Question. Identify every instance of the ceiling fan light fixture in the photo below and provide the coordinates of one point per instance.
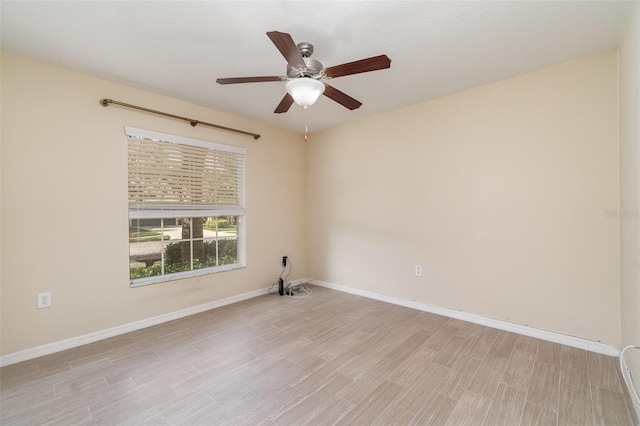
(305, 91)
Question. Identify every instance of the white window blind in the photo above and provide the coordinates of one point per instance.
(174, 176)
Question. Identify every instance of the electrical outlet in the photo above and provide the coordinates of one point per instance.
(44, 300)
(418, 271)
(284, 261)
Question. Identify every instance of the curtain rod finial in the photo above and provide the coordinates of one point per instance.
(105, 102)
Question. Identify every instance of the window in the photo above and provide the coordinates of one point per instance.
(186, 207)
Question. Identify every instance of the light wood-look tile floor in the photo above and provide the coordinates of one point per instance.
(330, 358)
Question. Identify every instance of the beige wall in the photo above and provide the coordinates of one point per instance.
(498, 192)
(64, 205)
(630, 188)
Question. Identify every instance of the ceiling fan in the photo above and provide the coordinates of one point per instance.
(304, 74)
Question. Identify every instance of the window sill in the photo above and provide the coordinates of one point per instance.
(140, 282)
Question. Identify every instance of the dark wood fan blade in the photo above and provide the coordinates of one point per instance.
(236, 80)
(363, 65)
(341, 97)
(284, 104)
(288, 48)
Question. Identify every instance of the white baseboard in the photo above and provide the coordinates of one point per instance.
(50, 348)
(552, 336)
(628, 380)
(477, 319)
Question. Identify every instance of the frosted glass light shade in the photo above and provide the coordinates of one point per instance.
(305, 91)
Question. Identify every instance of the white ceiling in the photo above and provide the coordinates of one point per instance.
(179, 48)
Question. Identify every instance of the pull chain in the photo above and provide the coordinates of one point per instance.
(306, 126)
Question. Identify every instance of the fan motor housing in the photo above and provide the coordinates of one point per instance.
(314, 69)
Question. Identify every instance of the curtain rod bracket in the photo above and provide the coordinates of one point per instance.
(193, 122)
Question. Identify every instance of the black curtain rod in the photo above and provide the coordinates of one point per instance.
(193, 122)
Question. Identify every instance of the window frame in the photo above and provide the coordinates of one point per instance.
(191, 211)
